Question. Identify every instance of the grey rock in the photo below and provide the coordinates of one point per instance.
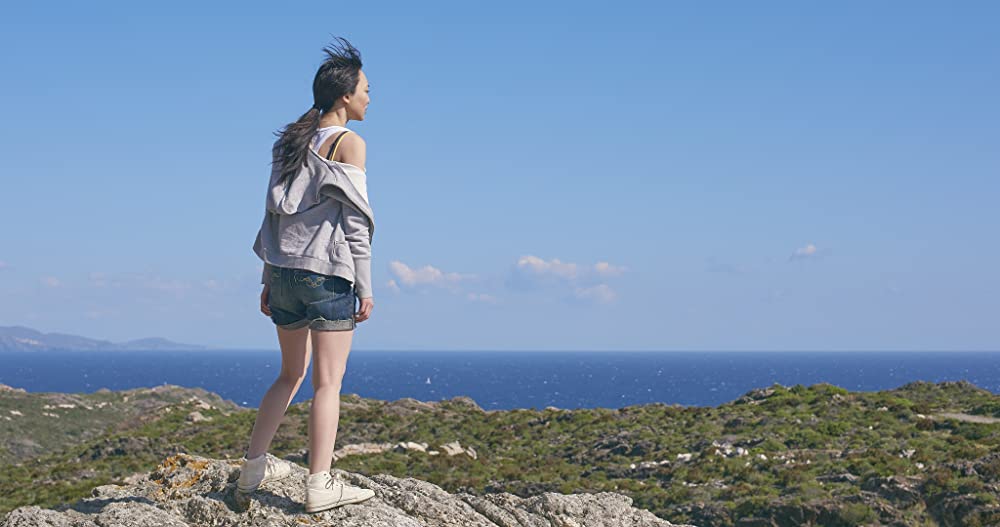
(192, 490)
(900, 490)
(843, 476)
(197, 417)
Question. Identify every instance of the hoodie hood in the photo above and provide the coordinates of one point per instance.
(318, 179)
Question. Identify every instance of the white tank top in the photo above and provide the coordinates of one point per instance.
(358, 177)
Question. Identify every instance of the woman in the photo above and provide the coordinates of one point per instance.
(316, 245)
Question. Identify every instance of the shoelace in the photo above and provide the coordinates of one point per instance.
(268, 466)
(331, 482)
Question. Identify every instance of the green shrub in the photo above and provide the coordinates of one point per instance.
(857, 514)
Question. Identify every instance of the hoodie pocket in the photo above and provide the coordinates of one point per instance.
(341, 252)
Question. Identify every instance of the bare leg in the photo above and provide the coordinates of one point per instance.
(294, 364)
(330, 362)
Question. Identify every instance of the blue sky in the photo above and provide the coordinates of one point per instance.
(548, 176)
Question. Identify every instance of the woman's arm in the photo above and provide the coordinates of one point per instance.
(265, 277)
(356, 231)
(352, 150)
(356, 228)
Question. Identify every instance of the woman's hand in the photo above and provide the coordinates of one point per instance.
(263, 300)
(365, 310)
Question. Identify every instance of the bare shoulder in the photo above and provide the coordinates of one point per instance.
(352, 150)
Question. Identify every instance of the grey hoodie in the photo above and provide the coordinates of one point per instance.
(317, 220)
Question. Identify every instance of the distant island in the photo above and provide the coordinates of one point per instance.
(21, 338)
(920, 454)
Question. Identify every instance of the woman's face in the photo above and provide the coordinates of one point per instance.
(358, 103)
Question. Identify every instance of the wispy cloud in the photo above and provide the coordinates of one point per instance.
(809, 251)
(581, 282)
(600, 293)
(530, 273)
(145, 281)
(50, 281)
(606, 269)
(426, 276)
(481, 297)
(553, 267)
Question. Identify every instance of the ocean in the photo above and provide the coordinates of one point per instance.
(504, 379)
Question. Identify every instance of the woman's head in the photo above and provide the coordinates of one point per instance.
(356, 104)
(338, 87)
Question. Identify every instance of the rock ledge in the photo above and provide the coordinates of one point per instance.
(192, 490)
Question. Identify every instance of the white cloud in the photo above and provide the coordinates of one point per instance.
(426, 275)
(605, 268)
(600, 292)
(50, 281)
(146, 281)
(482, 297)
(808, 251)
(552, 267)
(582, 282)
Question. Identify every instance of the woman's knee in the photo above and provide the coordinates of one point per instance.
(334, 378)
(292, 376)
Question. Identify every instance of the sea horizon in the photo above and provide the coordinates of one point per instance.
(507, 379)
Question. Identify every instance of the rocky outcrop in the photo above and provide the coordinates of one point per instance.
(187, 490)
(901, 491)
(452, 448)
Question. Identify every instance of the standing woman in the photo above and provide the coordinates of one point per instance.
(316, 245)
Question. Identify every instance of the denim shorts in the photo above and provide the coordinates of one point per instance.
(300, 298)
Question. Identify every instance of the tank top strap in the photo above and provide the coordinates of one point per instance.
(335, 144)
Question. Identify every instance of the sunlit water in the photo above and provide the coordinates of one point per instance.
(504, 380)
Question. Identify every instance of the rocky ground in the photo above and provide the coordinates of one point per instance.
(192, 490)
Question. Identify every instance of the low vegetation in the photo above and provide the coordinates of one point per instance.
(920, 454)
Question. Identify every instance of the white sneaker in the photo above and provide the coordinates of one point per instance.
(260, 470)
(324, 492)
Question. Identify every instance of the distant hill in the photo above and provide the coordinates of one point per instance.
(39, 423)
(21, 338)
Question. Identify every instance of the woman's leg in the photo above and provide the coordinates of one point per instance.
(330, 350)
(294, 364)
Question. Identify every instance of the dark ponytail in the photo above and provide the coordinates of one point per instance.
(336, 77)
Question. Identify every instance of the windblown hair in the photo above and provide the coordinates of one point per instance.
(336, 77)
